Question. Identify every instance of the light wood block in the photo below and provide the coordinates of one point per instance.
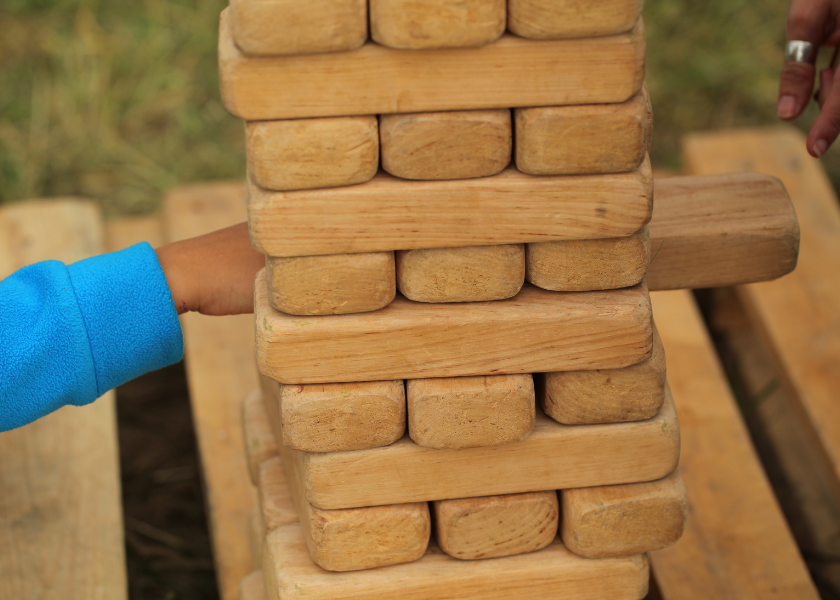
(256, 537)
(332, 284)
(469, 274)
(536, 331)
(267, 27)
(257, 434)
(252, 587)
(620, 520)
(446, 145)
(496, 526)
(340, 416)
(467, 412)
(302, 154)
(557, 19)
(584, 265)
(510, 72)
(387, 213)
(413, 25)
(276, 505)
(551, 572)
(633, 393)
(594, 138)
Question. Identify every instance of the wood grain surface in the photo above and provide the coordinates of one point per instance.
(256, 434)
(276, 504)
(557, 19)
(252, 586)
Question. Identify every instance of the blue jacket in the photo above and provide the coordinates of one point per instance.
(68, 334)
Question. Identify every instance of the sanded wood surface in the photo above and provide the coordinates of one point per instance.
(620, 520)
(267, 27)
(61, 529)
(510, 72)
(593, 138)
(256, 537)
(555, 19)
(252, 587)
(496, 526)
(468, 274)
(332, 284)
(446, 145)
(312, 153)
(276, 504)
(467, 412)
(256, 434)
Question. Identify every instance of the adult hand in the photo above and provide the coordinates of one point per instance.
(817, 22)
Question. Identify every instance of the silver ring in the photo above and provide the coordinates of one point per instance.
(801, 52)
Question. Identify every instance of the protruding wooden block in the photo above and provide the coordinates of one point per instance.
(467, 412)
(269, 27)
(633, 393)
(446, 145)
(594, 138)
(257, 434)
(621, 520)
(302, 154)
(470, 274)
(536, 331)
(558, 19)
(252, 587)
(496, 526)
(276, 507)
(331, 285)
(256, 537)
(340, 416)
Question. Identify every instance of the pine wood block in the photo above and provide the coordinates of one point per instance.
(252, 587)
(594, 138)
(633, 393)
(583, 265)
(303, 154)
(387, 213)
(276, 507)
(496, 526)
(469, 274)
(557, 19)
(446, 145)
(510, 72)
(256, 537)
(257, 434)
(268, 27)
(413, 25)
(536, 331)
(332, 284)
(467, 412)
(551, 572)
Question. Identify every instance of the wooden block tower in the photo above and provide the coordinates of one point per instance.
(464, 394)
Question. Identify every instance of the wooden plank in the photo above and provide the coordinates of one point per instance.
(468, 412)
(496, 526)
(533, 332)
(510, 72)
(331, 285)
(268, 27)
(446, 145)
(621, 520)
(61, 524)
(554, 19)
(252, 587)
(744, 550)
(303, 154)
(256, 434)
(387, 213)
(591, 138)
(468, 274)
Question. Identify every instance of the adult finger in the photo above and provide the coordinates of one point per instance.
(806, 22)
(827, 126)
(826, 81)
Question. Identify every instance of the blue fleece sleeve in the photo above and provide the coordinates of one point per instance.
(68, 334)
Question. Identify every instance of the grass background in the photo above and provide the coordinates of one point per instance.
(119, 101)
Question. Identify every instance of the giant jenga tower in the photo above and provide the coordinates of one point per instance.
(453, 326)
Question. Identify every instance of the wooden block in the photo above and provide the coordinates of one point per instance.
(553, 572)
(496, 526)
(331, 285)
(510, 72)
(257, 434)
(593, 138)
(302, 154)
(387, 213)
(446, 145)
(276, 505)
(584, 265)
(633, 393)
(557, 19)
(267, 27)
(252, 587)
(620, 520)
(256, 537)
(536, 331)
(469, 274)
(340, 416)
(467, 412)
(413, 25)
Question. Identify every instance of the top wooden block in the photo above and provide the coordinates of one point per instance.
(511, 72)
(560, 19)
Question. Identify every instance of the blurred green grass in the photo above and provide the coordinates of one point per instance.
(119, 101)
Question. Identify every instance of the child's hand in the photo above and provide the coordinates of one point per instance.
(213, 274)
